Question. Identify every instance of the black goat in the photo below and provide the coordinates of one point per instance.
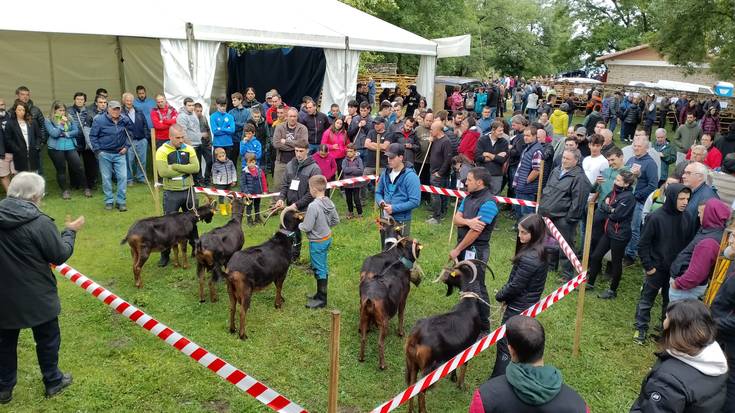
(255, 268)
(435, 340)
(165, 232)
(384, 287)
(215, 248)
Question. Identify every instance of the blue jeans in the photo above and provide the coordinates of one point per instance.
(694, 293)
(613, 123)
(522, 211)
(110, 162)
(318, 257)
(140, 147)
(631, 251)
(532, 115)
(492, 114)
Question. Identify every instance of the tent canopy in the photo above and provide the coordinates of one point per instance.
(328, 24)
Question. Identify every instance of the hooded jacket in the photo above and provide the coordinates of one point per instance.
(320, 216)
(177, 166)
(29, 241)
(300, 172)
(253, 182)
(683, 383)
(527, 389)
(468, 143)
(666, 233)
(330, 139)
(695, 263)
(403, 194)
(686, 135)
(618, 214)
(560, 121)
(565, 196)
(723, 312)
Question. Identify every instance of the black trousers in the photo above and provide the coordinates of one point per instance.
(439, 202)
(352, 196)
(502, 356)
(568, 230)
(48, 341)
(63, 160)
(204, 153)
(617, 250)
(482, 253)
(255, 205)
(651, 285)
(91, 168)
(730, 400)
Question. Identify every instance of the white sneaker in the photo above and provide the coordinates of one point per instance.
(432, 221)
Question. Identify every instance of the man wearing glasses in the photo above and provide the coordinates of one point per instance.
(695, 178)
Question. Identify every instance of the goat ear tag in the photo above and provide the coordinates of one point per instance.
(453, 273)
(421, 247)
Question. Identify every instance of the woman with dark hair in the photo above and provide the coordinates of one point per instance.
(62, 148)
(691, 370)
(614, 216)
(250, 100)
(335, 138)
(526, 280)
(385, 94)
(23, 138)
(80, 116)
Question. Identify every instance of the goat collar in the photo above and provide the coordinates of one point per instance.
(286, 232)
(406, 263)
(470, 294)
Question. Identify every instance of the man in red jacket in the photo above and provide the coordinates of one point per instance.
(528, 386)
(163, 117)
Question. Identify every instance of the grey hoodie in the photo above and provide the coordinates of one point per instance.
(190, 123)
(320, 216)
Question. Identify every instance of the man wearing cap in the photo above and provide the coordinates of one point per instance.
(376, 137)
(398, 192)
(110, 144)
(582, 143)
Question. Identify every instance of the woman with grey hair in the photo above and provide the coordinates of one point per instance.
(29, 241)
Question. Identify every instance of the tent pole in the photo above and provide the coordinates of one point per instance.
(120, 64)
(51, 67)
(190, 47)
(346, 69)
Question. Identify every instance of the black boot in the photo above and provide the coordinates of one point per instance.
(320, 301)
(316, 294)
(250, 221)
(164, 258)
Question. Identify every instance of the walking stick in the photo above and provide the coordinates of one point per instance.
(339, 175)
(451, 227)
(426, 155)
(540, 185)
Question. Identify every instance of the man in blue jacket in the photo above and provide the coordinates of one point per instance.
(140, 134)
(646, 171)
(398, 193)
(110, 144)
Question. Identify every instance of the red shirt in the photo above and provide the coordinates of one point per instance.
(162, 120)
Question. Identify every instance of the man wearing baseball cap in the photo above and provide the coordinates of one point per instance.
(398, 192)
(110, 144)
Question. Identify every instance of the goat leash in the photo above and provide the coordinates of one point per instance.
(470, 294)
(140, 164)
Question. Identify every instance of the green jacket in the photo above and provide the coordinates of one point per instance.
(177, 167)
(686, 136)
(605, 188)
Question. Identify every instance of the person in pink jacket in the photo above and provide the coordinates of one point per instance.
(326, 162)
(336, 140)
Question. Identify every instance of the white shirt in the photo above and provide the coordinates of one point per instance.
(24, 129)
(532, 102)
(593, 166)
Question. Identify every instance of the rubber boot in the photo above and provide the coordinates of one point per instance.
(223, 209)
(320, 301)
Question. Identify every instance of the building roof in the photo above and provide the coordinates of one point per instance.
(623, 52)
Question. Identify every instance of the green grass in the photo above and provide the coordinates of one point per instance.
(118, 366)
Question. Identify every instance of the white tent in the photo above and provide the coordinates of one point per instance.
(62, 49)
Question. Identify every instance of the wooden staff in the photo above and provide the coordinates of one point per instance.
(156, 195)
(720, 272)
(540, 185)
(426, 155)
(334, 363)
(585, 267)
(451, 226)
(336, 188)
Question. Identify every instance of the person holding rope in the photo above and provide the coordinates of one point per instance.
(140, 133)
(397, 193)
(177, 164)
(475, 220)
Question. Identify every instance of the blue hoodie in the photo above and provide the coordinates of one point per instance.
(223, 128)
(648, 178)
(251, 146)
(404, 195)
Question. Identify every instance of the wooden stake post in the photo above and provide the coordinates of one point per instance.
(334, 363)
(720, 269)
(156, 196)
(585, 267)
(540, 185)
(451, 227)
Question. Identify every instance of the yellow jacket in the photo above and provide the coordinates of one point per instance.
(560, 121)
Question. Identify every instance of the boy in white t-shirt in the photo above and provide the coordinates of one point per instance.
(594, 164)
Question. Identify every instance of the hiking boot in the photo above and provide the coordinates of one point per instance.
(628, 262)
(639, 337)
(66, 195)
(164, 259)
(257, 220)
(66, 380)
(122, 208)
(320, 299)
(359, 216)
(432, 221)
(349, 215)
(608, 295)
(250, 221)
(6, 396)
(108, 207)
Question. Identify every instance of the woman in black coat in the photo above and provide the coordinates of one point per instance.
(23, 138)
(526, 280)
(615, 217)
(690, 373)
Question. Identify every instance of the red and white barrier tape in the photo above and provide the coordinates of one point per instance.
(477, 348)
(225, 370)
(564, 245)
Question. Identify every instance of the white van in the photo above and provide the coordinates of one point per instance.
(684, 87)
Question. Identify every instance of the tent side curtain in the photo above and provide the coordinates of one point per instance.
(55, 66)
(178, 82)
(335, 90)
(455, 46)
(294, 72)
(425, 79)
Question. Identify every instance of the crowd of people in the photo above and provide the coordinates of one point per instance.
(652, 200)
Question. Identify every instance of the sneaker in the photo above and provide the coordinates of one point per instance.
(6, 396)
(349, 215)
(88, 193)
(108, 207)
(639, 337)
(432, 221)
(608, 295)
(66, 195)
(628, 262)
(66, 380)
(122, 208)
(359, 216)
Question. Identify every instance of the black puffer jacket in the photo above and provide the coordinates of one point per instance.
(300, 172)
(29, 241)
(525, 283)
(616, 217)
(674, 386)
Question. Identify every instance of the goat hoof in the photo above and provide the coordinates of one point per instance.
(399, 333)
(244, 337)
(186, 266)
(382, 367)
(233, 331)
(202, 301)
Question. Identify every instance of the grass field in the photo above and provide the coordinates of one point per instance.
(119, 367)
